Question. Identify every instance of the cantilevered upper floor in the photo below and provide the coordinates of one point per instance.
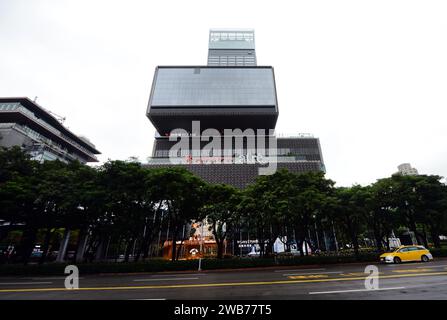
(25, 124)
(219, 97)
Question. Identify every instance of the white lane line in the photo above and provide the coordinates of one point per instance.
(165, 279)
(50, 278)
(438, 266)
(427, 285)
(179, 275)
(150, 299)
(357, 290)
(24, 283)
(300, 270)
(306, 274)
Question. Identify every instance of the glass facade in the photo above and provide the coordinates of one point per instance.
(9, 106)
(228, 39)
(214, 87)
(232, 48)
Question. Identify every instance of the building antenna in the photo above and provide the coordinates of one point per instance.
(58, 117)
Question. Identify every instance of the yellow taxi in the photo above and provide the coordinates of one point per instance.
(407, 253)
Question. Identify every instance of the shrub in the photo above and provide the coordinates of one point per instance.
(159, 265)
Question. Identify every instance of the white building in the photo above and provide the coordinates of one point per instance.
(406, 169)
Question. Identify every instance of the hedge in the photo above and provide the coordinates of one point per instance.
(159, 265)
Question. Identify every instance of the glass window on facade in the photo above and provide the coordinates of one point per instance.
(214, 87)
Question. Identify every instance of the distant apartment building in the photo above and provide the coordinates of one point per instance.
(406, 169)
(25, 124)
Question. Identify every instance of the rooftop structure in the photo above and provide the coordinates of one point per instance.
(25, 124)
(407, 170)
(231, 48)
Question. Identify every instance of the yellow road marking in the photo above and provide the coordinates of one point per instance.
(227, 284)
(311, 276)
(411, 270)
(355, 274)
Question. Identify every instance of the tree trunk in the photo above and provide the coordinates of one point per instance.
(299, 242)
(100, 248)
(355, 243)
(81, 244)
(63, 246)
(413, 228)
(261, 240)
(435, 237)
(27, 244)
(144, 248)
(220, 248)
(378, 239)
(46, 245)
(128, 250)
(174, 243)
(424, 237)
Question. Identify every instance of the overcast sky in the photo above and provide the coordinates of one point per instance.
(369, 78)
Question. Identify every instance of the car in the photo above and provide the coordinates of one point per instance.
(407, 253)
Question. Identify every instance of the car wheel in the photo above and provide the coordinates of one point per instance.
(397, 260)
(424, 258)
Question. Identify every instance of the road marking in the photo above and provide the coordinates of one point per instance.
(224, 284)
(178, 275)
(165, 279)
(300, 270)
(22, 283)
(411, 270)
(356, 290)
(355, 274)
(311, 276)
(49, 278)
(305, 274)
(438, 266)
(427, 285)
(150, 299)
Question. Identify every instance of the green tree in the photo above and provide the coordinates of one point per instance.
(351, 212)
(182, 194)
(309, 200)
(266, 205)
(220, 212)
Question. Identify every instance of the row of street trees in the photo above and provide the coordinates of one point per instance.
(122, 204)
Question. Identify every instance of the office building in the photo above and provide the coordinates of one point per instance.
(201, 105)
(25, 124)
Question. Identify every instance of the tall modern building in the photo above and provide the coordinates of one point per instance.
(406, 169)
(197, 106)
(25, 124)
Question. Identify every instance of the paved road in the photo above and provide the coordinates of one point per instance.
(404, 281)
